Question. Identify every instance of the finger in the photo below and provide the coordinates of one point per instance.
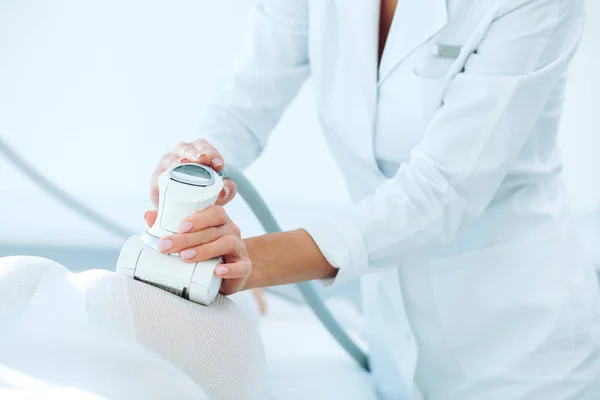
(228, 247)
(239, 269)
(210, 216)
(154, 194)
(189, 151)
(231, 286)
(228, 193)
(167, 161)
(150, 217)
(215, 159)
(260, 299)
(184, 241)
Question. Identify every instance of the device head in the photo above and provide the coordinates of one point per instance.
(196, 282)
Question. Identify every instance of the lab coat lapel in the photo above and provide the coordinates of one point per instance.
(414, 22)
(359, 23)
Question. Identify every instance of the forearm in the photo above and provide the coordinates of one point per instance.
(286, 257)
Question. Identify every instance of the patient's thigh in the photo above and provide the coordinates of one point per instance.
(217, 348)
(19, 279)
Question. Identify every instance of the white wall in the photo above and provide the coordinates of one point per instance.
(93, 92)
(580, 135)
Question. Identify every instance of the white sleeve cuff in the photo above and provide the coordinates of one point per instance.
(343, 246)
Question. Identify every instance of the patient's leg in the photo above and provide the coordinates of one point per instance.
(19, 278)
(217, 347)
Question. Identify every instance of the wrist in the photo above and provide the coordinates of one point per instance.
(284, 258)
(255, 280)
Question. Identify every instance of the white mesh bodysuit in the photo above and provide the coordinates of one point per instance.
(100, 334)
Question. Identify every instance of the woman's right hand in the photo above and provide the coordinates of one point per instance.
(201, 152)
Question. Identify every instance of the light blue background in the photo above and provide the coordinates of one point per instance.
(93, 92)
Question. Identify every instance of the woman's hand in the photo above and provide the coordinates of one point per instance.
(201, 152)
(208, 234)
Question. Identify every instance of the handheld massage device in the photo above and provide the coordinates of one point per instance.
(132, 264)
(183, 191)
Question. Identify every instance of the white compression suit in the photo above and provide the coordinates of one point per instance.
(99, 335)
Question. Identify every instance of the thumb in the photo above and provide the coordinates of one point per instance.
(150, 217)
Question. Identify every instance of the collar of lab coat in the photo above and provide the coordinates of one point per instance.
(415, 21)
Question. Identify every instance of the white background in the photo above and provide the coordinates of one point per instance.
(93, 92)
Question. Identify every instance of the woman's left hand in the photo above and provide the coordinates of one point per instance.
(208, 234)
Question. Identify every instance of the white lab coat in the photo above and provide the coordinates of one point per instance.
(449, 151)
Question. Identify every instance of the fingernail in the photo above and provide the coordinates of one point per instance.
(226, 189)
(185, 227)
(216, 162)
(187, 254)
(222, 270)
(164, 244)
(146, 214)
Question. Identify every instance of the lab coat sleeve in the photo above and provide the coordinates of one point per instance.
(488, 111)
(267, 75)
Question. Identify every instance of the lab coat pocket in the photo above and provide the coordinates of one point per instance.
(408, 102)
(446, 54)
(496, 304)
(430, 93)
